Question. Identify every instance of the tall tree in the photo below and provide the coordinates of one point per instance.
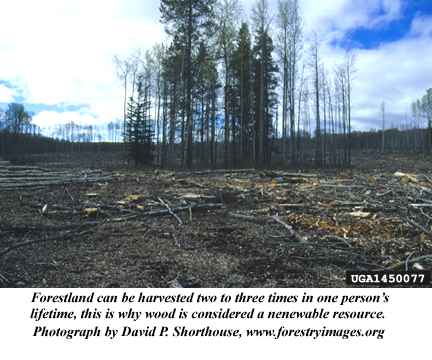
(427, 110)
(135, 68)
(174, 98)
(242, 69)
(349, 64)
(16, 119)
(203, 74)
(187, 19)
(315, 66)
(290, 29)
(344, 74)
(227, 15)
(283, 25)
(265, 83)
(159, 56)
(261, 19)
(296, 47)
(123, 69)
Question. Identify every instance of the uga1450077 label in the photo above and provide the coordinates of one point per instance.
(389, 278)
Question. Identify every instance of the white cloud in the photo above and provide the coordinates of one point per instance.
(339, 16)
(6, 94)
(49, 119)
(421, 26)
(398, 72)
(63, 53)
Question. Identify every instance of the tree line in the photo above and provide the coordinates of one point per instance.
(19, 135)
(221, 78)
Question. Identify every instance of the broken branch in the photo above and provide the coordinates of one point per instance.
(37, 241)
(290, 229)
(170, 211)
(399, 264)
(246, 218)
(180, 209)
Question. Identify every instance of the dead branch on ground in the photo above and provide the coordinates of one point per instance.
(60, 237)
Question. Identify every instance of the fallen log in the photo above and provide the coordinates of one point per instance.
(32, 177)
(32, 227)
(10, 186)
(38, 241)
(247, 218)
(199, 207)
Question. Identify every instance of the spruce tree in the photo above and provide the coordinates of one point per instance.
(139, 135)
(265, 83)
(242, 83)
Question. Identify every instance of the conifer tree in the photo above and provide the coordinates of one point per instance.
(186, 20)
(242, 76)
(265, 82)
(139, 135)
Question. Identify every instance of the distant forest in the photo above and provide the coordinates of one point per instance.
(225, 90)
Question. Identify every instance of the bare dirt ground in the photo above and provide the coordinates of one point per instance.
(240, 228)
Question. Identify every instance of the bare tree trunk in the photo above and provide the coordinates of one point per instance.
(315, 67)
(189, 139)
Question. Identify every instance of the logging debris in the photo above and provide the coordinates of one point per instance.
(238, 228)
(18, 177)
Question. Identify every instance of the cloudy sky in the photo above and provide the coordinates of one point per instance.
(56, 56)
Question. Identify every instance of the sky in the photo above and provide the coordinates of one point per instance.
(56, 56)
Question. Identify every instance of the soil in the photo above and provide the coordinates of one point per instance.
(236, 228)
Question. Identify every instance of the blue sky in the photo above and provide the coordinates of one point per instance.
(59, 64)
(392, 31)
